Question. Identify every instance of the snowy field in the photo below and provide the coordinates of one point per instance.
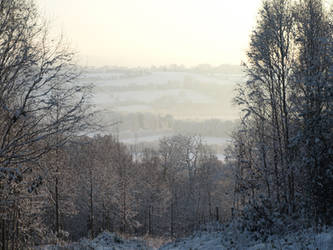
(233, 240)
(181, 94)
(107, 79)
(184, 95)
(210, 240)
(149, 96)
(151, 138)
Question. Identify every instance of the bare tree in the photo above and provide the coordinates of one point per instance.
(313, 102)
(41, 107)
(281, 151)
(38, 97)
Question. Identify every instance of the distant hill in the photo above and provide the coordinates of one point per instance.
(191, 93)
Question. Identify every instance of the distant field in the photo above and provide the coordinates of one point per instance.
(159, 78)
(146, 102)
(180, 94)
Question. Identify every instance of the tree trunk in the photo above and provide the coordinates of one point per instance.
(57, 226)
(91, 207)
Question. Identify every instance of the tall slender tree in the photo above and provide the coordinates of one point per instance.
(287, 104)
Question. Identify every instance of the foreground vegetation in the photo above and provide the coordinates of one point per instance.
(283, 150)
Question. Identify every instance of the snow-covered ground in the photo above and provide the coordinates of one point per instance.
(104, 241)
(149, 96)
(159, 78)
(177, 93)
(229, 239)
(213, 240)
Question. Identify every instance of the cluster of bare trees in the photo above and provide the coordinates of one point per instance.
(168, 192)
(53, 181)
(282, 152)
(40, 110)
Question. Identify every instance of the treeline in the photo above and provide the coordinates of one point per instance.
(166, 192)
(152, 122)
(282, 152)
(93, 184)
(140, 71)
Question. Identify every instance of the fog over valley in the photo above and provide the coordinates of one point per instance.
(149, 103)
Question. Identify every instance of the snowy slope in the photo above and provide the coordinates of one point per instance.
(233, 240)
(159, 78)
(110, 241)
(104, 241)
(176, 93)
(222, 240)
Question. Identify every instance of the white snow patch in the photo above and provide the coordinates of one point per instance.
(225, 238)
(230, 239)
(111, 241)
(104, 241)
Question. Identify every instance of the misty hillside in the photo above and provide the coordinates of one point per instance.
(186, 95)
(156, 102)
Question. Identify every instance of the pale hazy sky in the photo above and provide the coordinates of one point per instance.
(154, 32)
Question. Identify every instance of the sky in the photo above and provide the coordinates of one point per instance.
(153, 32)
